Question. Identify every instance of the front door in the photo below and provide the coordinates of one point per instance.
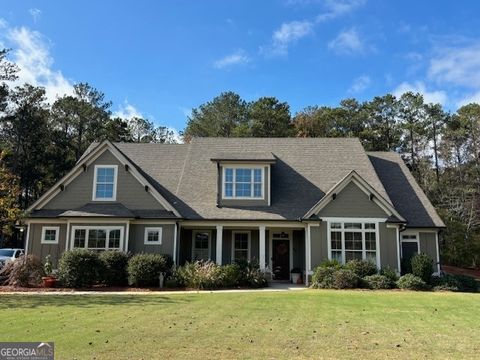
(281, 259)
(409, 250)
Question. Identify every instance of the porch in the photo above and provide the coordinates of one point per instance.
(277, 248)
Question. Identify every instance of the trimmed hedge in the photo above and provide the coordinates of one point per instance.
(80, 268)
(345, 279)
(422, 266)
(323, 277)
(378, 282)
(389, 273)
(25, 271)
(411, 282)
(361, 268)
(145, 269)
(114, 268)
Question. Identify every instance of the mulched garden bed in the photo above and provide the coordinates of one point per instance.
(461, 271)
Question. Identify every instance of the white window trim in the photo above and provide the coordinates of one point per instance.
(249, 234)
(99, 227)
(149, 229)
(244, 166)
(194, 232)
(115, 178)
(57, 234)
(363, 221)
(416, 240)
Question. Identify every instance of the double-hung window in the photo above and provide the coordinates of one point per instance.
(243, 183)
(50, 234)
(353, 241)
(105, 183)
(153, 236)
(241, 245)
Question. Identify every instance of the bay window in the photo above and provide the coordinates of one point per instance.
(353, 241)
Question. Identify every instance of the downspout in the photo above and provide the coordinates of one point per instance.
(219, 185)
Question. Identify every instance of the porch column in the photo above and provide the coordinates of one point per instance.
(219, 244)
(261, 241)
(308, 253)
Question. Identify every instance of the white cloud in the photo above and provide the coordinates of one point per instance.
(471, 98)
(337, 8)
(434, 96)
(31, 54)
(127, 111)
(239, 57)
(360, 84)
(457, 66)
(347, 42)
(287, 34)
(36, 14)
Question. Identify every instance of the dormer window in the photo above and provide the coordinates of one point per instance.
(243, 182)
(105, 183)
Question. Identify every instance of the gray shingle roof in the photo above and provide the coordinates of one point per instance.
(304, 170)
(406, 195)
(245, 156)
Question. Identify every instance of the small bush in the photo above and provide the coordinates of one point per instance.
(389, 273)
(25, 271)
(378, 282)
(80, 268)
(200, 275)
(422, 266)
(467, 283)
(331, 264)
(323, 277)
(345, 279)
(230, 275)
(361, 268)
(115, 268)
(250, 275)
(445, 287)
(145, 269)
(411, 282)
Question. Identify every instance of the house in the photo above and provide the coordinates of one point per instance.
(283, 202)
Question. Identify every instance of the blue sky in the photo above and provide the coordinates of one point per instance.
(159, 59)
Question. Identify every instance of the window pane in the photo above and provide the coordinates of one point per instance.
(370, 226)
(109, 175)
(353, 225)
(243, 190)
(257, 175)
(97, 239)
(50, 235)
(228, 189)
(353, 240)
(370, 243)
(371, 256)
(243, 175)
(229, 175)
(153, 236)
(257, 190)
(336, 240)
(241, 241)
(336, 225)
(241, 255)
(337, 255)
(79, 238)
(114, 239)
(353, 255)
(200, 246)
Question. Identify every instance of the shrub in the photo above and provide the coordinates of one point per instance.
(345, 279)
(411, 282)
(230, 275)
(361, 268)
(200, 275)
(377, 282)
(24, 271)
(331, 264)
(389, 273)
(250, 275)
(114, 268)
(422, 266)
(145, 269)
(322, 277)
(467, 283)
(80, 268)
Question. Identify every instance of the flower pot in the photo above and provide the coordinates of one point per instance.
(49, 281)
(296, 277)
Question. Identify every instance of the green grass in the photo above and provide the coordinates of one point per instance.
(302, 324)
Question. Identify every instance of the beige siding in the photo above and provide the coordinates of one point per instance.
(136, 243)
(428, 245)
(319, 244)
(352, 202)
(388, 247)
(235, 202)
(129, 191)
(35, 247)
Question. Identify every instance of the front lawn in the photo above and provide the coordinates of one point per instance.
(271, 325)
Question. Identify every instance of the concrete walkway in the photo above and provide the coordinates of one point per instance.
(272, 287)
